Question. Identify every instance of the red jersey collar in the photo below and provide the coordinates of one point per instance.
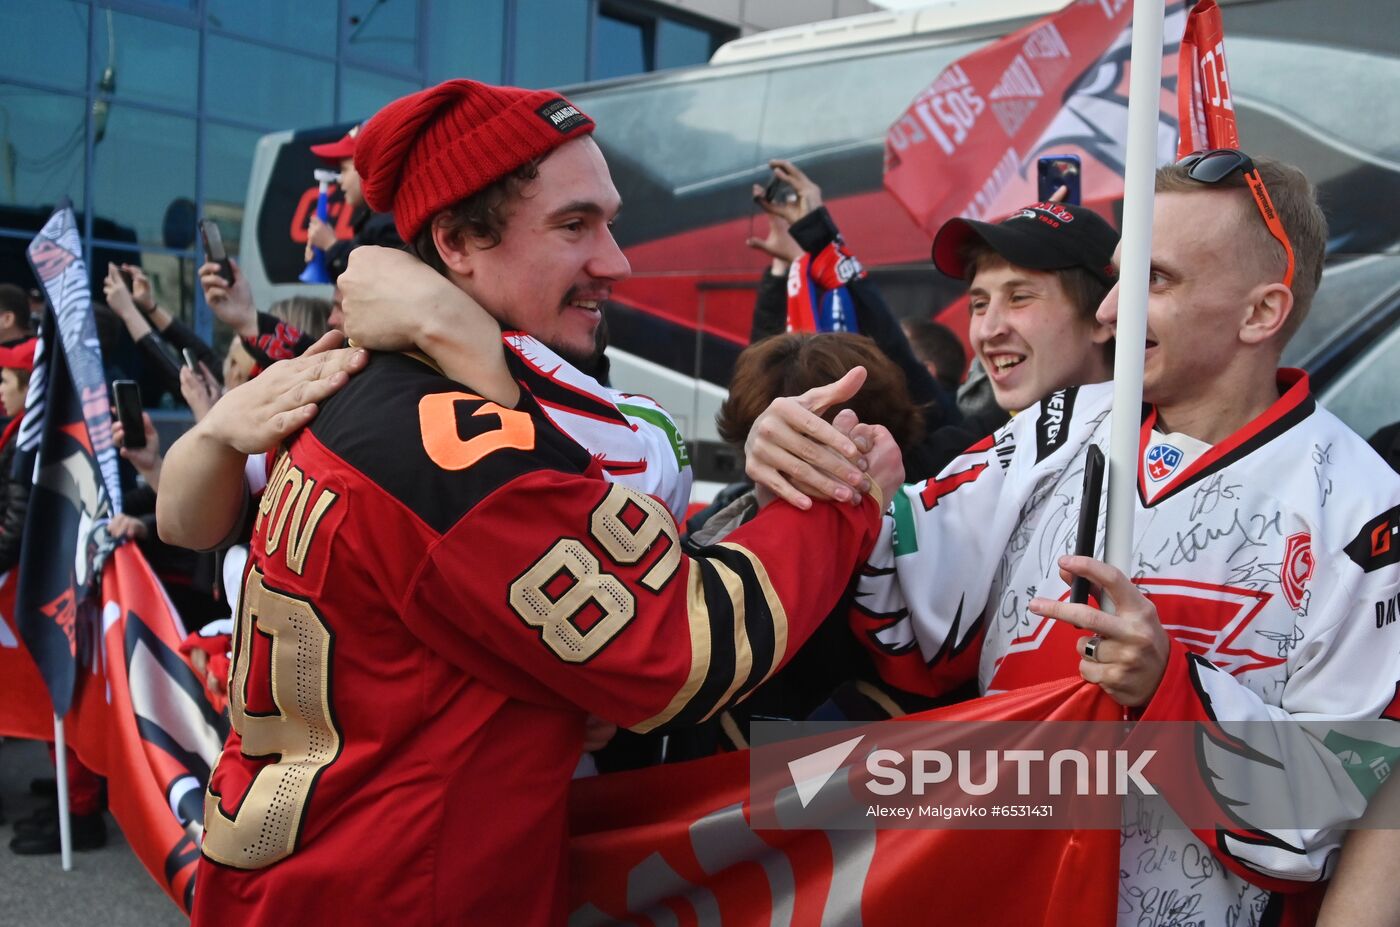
(1293, 405)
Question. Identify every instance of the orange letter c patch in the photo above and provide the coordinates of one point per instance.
(437, 417)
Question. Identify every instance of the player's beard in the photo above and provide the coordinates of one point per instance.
(589, 362)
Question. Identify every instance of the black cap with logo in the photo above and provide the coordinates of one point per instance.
(1043, 236)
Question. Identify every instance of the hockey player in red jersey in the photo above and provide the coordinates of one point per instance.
(1264, 535)
(442, 587)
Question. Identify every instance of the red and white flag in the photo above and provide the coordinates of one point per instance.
(1206, 111)
(25, 709)
(968, 144)
(673, 845)
(140, 717)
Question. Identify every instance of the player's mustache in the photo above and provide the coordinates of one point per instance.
(599, 293)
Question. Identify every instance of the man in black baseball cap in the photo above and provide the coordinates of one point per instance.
(1035, 281)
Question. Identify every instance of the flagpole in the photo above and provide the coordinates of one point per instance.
(60, 759)
(1144, 103)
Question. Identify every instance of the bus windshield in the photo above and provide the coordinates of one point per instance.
(693, 135)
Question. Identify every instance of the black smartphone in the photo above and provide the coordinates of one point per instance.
(126, 395)
(214, 247)
(1088, 518)
(1056, 171)
(128, 279)
(779, 191)
(191, 361)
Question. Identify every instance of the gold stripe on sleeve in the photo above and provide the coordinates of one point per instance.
(775, 607)
(698, 613)
(743, 653)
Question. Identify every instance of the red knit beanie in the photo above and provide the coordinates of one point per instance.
(21, 356)
(424, 152)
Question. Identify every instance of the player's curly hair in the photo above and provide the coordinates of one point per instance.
(481, 216)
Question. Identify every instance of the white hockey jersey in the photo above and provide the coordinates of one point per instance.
(634, 439)
(1273, 561)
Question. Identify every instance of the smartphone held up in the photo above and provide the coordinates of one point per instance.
(779, 191)
(214, 248)
(1056, 171)
(126, 396)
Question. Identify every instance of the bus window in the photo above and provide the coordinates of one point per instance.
(1325, 87)
(1365, 395)
(682, 134)
(824, 107)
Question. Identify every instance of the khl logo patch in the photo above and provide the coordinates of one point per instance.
(1162, 462)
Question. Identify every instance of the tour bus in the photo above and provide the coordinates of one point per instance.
(1310, 84)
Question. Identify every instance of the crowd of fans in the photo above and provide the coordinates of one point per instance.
(816, 433)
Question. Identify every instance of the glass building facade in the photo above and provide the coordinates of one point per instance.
(145, 113)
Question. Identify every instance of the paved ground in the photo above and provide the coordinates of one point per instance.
(107, 887)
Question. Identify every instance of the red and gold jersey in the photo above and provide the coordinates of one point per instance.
(440, 590)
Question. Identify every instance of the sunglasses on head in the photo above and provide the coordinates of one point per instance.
(1216, 164)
